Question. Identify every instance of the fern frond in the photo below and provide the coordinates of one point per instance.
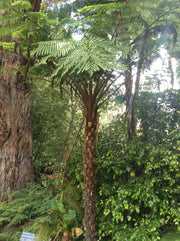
(14, 13)
(88, 55)
(21, 5)
(4, 220)
(18, 219)
(102, 8)
(10, 18)
(4, 6)
(54, 48)
(8, 30)
(7, 46)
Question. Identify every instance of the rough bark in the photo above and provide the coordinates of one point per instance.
(36, 4)
(15, 122)
(15, 129)
(90, 125)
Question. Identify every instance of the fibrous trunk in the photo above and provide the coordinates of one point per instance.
(90, 122)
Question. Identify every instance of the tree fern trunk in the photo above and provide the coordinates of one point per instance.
(90, 122)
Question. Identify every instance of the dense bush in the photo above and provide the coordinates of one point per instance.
(139, 195)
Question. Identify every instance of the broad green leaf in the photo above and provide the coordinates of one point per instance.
(70, 215)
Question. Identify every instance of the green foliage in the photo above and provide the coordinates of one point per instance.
(130, 23)
(7, 46)
(10, 236)
(34, 209)
(23, 26)
(18, 20)
(139, 196)
(88, 55)
(146, 198)
(22, 208)
(58, 221)
(130, 19)
(25, 207)
(51, 112)
(158, 114)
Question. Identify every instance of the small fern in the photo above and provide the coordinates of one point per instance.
(23, 207)
(33, 208)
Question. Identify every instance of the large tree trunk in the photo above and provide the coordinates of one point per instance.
(36, 4)
(90, 124)
(15, 123)
(15, 129)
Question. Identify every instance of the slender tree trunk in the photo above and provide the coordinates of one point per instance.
(138, 76)
(171, 71)
(90, 125)
(136, 92)
(131, 128)
(15, 122)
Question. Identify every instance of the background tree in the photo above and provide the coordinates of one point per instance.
(21, 26)
(132, 26)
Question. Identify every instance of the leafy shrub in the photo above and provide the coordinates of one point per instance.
(59, 222)
(146, 197)
(138, 197)
(35, 209)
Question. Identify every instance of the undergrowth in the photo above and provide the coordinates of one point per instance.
(23, 211)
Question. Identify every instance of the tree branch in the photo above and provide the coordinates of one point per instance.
(148, 27)
(105, 90)
(109, 96)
